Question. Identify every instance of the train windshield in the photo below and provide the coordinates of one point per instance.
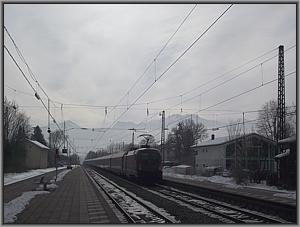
(149, 156)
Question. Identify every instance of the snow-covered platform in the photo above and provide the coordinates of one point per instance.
(71, 199)
(263, 193)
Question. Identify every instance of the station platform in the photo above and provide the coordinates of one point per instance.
(256, 193)
(74, 201)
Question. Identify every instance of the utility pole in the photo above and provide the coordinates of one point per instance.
(6, 126)
(162, 141)
(64, 134)
(244, 140)
(68, 152)
(49, 131)
(281, 96)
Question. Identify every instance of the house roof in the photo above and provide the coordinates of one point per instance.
(38, 144)
(291, 139)
(216, 141)
(284, 154)
(225, 139)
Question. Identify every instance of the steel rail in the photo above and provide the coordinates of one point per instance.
(241, 210)
(156, 213)
(124, 212)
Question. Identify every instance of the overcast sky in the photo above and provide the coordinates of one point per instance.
(92, 54)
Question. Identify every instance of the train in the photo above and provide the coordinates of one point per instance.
(142, 164)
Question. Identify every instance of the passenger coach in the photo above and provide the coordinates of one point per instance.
(143, 164)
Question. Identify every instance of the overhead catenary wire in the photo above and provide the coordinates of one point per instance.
(155, 58)
(233, 124)
(25, 62)
(224, 82)
(233, 97)
(173, 63)
(31, 75)
(41, 100)
(123, 106)
(228, 99)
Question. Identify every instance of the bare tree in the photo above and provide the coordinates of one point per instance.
(267, 119)
(183, 136)
(13, 120)
(57, 138)
(16, 129)
(266, 123)
(234, 129)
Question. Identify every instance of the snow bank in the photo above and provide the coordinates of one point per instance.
(61, 175)
(229, 182)
(16, 206)
(290, 195)
(10, 178)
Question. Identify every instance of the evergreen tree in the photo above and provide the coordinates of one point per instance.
(38, 136)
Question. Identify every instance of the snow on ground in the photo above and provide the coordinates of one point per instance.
(229, 182)
(10, 178)
(61, 175)
(286, 195)
(16, 206)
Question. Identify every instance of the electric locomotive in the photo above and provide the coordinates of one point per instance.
(143, 164)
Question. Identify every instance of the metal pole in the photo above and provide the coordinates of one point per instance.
(68, 152)
(281, 95)
(244, 147)
(64, 134)
(132, 137)
(162, 142)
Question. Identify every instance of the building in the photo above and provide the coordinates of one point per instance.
(252, 151)
(287, 162)
(36, 155)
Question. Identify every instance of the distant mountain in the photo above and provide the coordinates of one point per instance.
(68, 124)
(88, 139)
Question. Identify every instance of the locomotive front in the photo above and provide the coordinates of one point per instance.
(149, 164)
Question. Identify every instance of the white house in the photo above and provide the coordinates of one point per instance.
(224, 153)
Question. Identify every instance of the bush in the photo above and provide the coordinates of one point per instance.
(240, 176)
(272, 179)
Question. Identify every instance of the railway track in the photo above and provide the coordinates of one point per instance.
(227, 211)
(133, 208)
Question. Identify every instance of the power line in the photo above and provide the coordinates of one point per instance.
(36, 95)
(157, 55)
(32, 76)
(189, 91)
(171, 97)
(224, 82)
(19, 68)
(235, 96)
(24, 61)
(173, 63)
